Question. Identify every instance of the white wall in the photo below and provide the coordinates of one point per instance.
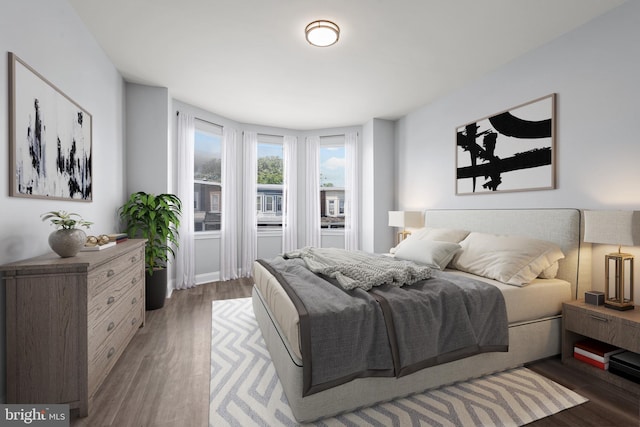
(594, 70)
(49, 36)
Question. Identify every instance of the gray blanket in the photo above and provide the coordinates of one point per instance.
(390, 330)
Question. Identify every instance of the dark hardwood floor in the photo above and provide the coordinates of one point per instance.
(162, 379)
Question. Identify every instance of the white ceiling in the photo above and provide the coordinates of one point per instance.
(248, 60)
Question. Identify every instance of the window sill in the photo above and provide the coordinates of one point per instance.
(204, 235)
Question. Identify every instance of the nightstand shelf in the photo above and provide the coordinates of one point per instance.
(619, 328)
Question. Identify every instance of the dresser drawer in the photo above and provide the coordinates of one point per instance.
(102, 277)
(104, 302)
(108, 352)
(106, 324)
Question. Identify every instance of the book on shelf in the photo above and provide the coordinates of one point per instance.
(98, 247)
(590, 361)
(597, 350)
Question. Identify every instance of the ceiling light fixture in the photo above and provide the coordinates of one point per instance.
(322, 33)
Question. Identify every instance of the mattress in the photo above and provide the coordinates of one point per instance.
(542, 298)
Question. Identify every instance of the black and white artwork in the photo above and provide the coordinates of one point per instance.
(509, 151)
(50, 139)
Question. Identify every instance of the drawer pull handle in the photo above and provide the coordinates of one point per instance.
(111, 326)
(134, 300)
(598, 318)
(134, 280)
(110, 353)
(110, 273)
(133, 321)
(134, 259)
(111, 300)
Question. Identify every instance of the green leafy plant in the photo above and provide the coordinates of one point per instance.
(155, 218)
(65, 220)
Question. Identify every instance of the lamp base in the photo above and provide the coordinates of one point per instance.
(402, 235)
(620, 306)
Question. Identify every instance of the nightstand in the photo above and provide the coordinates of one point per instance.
(619, 328)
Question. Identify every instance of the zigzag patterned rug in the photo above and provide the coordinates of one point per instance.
(245, 390)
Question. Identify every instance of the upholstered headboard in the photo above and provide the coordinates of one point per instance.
(560, 226)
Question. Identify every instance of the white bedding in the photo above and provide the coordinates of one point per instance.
(542, 298)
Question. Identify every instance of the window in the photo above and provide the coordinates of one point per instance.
(332, 175)
(270, 182)
(207, 173)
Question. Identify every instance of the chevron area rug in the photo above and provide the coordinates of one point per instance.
(245, 390)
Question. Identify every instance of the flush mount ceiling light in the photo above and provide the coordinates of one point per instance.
(322, 33)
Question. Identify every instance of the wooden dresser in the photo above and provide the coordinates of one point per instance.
(69, 320)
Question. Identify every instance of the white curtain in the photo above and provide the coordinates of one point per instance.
(229, 220)
(312, 230)
(351, 191)
(249, 217)
(289, 191)
(185, 255)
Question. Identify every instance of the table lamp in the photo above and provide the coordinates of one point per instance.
(405, 219)
(620, 228)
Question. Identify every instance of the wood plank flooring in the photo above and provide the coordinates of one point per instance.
(162, 379)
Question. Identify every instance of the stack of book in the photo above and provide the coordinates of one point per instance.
(595, 353)
(118, 237)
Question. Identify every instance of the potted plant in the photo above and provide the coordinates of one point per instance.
(155, 218)
(67, 240)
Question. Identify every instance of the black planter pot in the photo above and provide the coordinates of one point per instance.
(155, 289)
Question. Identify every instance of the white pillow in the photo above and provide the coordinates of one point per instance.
(432, 253)
(550, 272)
(438, 234)
(509, 259)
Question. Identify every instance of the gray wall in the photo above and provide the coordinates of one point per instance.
(378, 153)
(148, 160)
(49, 36)
(594, 70)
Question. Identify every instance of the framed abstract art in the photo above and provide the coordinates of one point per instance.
(509, 151)
(49, 138)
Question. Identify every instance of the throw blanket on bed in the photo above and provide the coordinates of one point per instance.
(390, 330)
(356, 269)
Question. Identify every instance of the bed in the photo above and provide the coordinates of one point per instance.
(534, 327)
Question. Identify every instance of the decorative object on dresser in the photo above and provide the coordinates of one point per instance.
(615, 228)
(49, 138)
(155, 218)
(513, 150)
(621, 329)
(69, 320)
(67, 240)
(405, 219)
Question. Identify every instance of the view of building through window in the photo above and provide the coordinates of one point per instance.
(269, 186)
(207, 177)
(332, 163)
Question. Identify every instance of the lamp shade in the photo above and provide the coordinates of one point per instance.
(405, 219)
(612, 227)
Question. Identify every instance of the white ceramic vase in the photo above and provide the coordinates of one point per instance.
(67, 243)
